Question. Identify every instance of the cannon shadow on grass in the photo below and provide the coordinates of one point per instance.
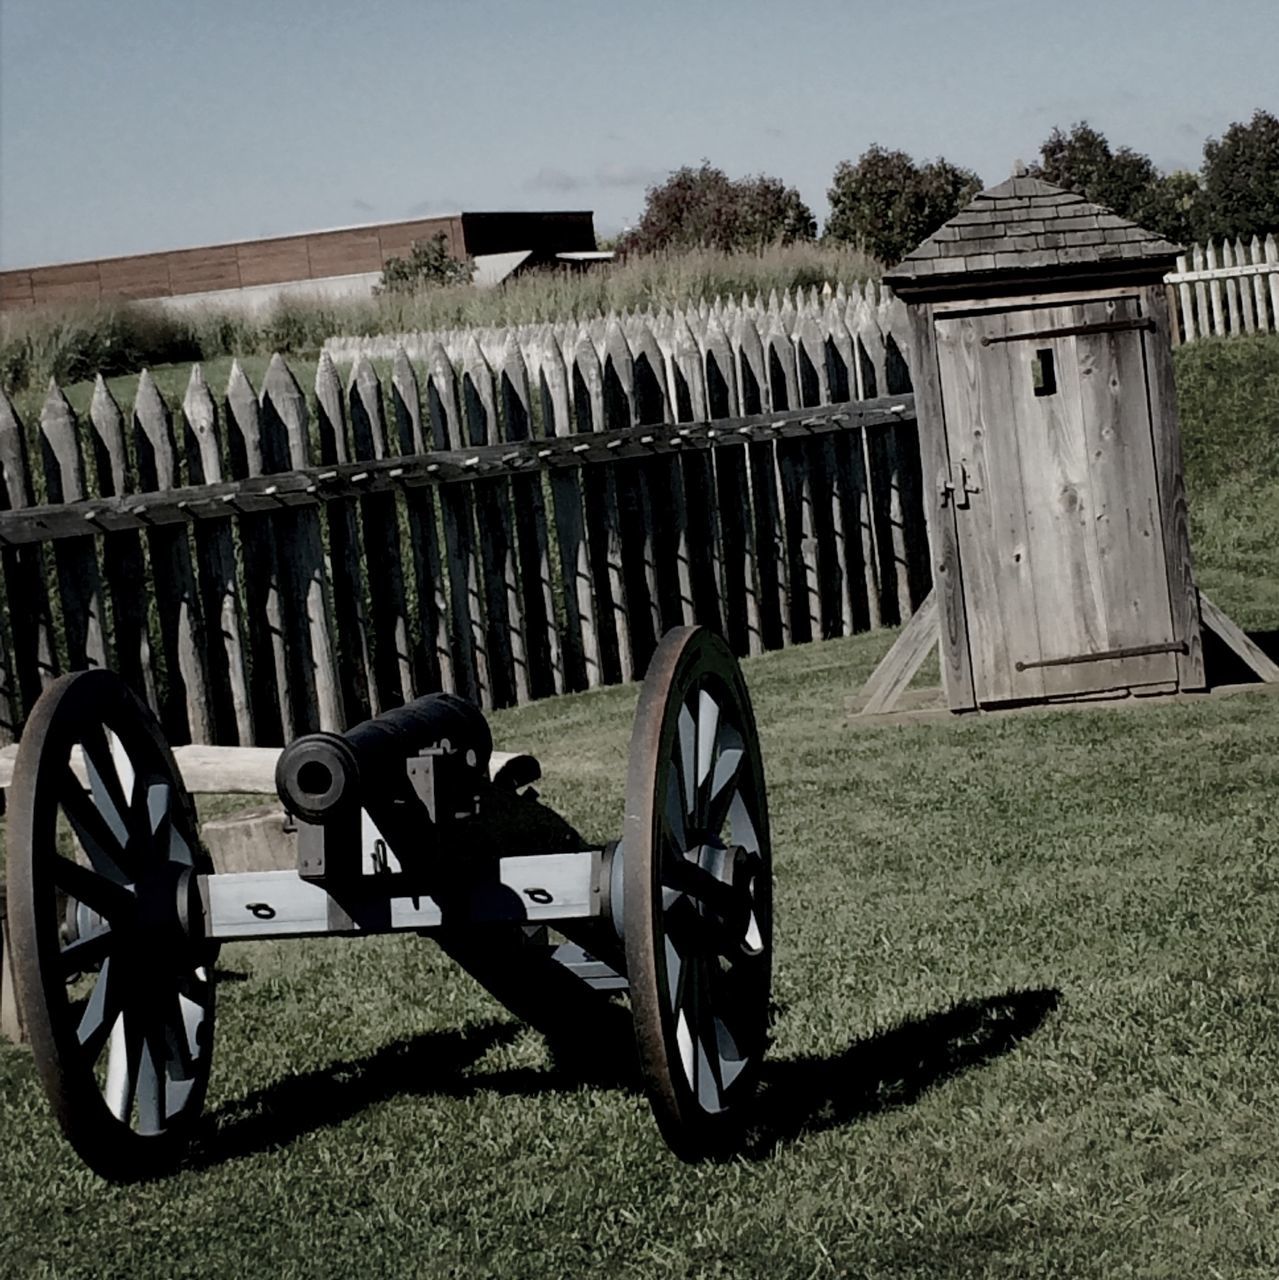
(891, 1069)
(430, 1065)
(277, 1114)
(878, 1073)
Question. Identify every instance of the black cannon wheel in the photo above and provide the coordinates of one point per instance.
(697, 893)
(115, 981)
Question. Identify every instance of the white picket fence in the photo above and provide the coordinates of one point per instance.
(1225, 289)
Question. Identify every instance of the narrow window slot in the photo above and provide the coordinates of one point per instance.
(1043, 373)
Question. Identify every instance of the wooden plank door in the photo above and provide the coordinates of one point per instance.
(1053, 479)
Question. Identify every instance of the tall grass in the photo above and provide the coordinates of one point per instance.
(73, 343)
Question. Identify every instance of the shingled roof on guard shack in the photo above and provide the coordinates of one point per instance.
(1025, 225)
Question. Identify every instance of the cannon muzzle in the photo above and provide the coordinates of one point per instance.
(322, 776)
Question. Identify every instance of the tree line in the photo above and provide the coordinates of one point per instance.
(886, 202)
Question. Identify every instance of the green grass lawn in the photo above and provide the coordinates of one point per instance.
(1026, 1027)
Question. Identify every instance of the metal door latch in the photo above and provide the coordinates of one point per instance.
(956, 488)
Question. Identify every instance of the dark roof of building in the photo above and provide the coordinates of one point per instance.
(1027, 225)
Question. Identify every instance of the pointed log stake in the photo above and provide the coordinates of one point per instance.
(599, 497)
(622, 404)
(185, 704)
(466, 605)
(433, 657)
(215, 561)
(906, 512)
(656, 400)
(738, 589)
(508, 661)
(350, 610)
(388, 606)
(872, 371)
(263, 593)
(76, 560)
(408, 410)
(703, 570)
(823, 463)
(631, 527)
(545, 660)
(315, 696)
(122, 561)
(861, 556)
(583, 666)
(794, 492)
(756, 397)
(34, 651)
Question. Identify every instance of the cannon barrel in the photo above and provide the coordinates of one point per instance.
(323, 775)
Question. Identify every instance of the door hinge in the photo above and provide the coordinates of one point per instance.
(957, 487)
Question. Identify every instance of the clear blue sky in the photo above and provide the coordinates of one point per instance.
(131, 125)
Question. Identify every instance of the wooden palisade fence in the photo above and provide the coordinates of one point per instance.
(506, 514)
(1226, 288)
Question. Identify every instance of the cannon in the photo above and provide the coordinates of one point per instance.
(117, 915)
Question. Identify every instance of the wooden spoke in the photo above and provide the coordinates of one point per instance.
(122, 1067)
(741, 825)
(722, 781)
(100, 1013)
(123, 766)
(97, 838)
(157, 800)
(107, 897)
(182, 1031)
(707, 734)
(149, 1087)
(686, 770)
(140, 810)
(676, 813)
(86, 951)
(104, 782)
(179, 848)
(710, 1086)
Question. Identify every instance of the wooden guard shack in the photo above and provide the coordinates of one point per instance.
(1051, 456)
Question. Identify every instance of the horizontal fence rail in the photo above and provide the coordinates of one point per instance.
(505, 514)
(318, 485)
(1230, 288)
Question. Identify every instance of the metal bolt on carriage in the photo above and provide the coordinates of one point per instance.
(116, 913)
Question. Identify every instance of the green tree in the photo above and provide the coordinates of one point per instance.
(886, 203)
(1174, 206)
(703, 208)
(1241, 180)
(1121, 179)
(429, 264)
(1083, 161)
